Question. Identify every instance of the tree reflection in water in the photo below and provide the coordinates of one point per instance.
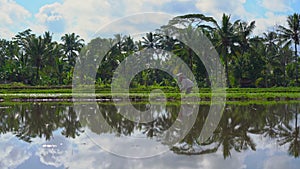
(234, 132)
(28, 121)
(289, 133)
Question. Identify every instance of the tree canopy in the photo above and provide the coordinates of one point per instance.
(267, 60)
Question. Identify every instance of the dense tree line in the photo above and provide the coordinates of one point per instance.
(268, 60)
(38, 60)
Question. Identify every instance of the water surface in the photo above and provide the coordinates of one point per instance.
(59, 135)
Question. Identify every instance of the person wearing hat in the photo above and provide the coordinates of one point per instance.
(185, 83)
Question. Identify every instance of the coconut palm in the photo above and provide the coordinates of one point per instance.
(291, 35)
(151, 42)
(270, 54)
(242, 61)
(36, 50)
(226, 38)
(72, 45)
(244, 31)
(40, 51)
(286, 57)
(21, 39)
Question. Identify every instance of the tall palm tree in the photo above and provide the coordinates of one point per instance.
(21, 39)
(35, 48)
(2, 51)
(292, 34)
(270, 54)
(72, 45)
(226, 39)
(40, 51)
(243, 30)
(286, 56)
(151, 42)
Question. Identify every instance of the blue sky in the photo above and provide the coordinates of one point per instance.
(34, 5)
(86, 17)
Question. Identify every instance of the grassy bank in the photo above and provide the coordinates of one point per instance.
(64, 93)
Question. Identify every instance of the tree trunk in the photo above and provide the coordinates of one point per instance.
(207, 79)
(37, 74)
(191, 59)
(284, 72)
(38, 66)
(226, 71)
(296, 55)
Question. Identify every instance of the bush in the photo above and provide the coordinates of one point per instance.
(18, 84)
(292, 83)
(259, 82)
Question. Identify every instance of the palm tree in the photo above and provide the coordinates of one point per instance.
(128, 48)
(226, 39)
(72, 45)
(35, 48)
(286, 56)
(151, 42)
(270, 56)
(21, 39)
(292, 34)
(41, 51)
(243, 30)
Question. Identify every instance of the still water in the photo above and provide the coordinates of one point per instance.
(61, 135)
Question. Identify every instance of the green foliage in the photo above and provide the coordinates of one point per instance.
(259, 82)
(263, 61)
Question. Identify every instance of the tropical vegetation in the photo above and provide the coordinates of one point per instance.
(266, 60)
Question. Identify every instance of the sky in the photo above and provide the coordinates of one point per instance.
(87, 17)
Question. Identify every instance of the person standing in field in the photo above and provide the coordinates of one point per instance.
(185, 83)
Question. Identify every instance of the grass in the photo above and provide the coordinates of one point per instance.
(64, 93)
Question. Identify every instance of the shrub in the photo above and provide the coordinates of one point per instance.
(259, 82)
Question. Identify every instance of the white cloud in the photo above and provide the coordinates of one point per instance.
(11, 12)
(6, 33)
(49, 12)
(12, 16)
(88, 154)
(216, 8)
(135, 24)
(74, 16)
(55, 152)
(237, 10)
(83, 152)
(49, 18)
(217, 161)
(277, 162)
(86, 18)
(276, 5)
(269, 22)
(12, 154)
